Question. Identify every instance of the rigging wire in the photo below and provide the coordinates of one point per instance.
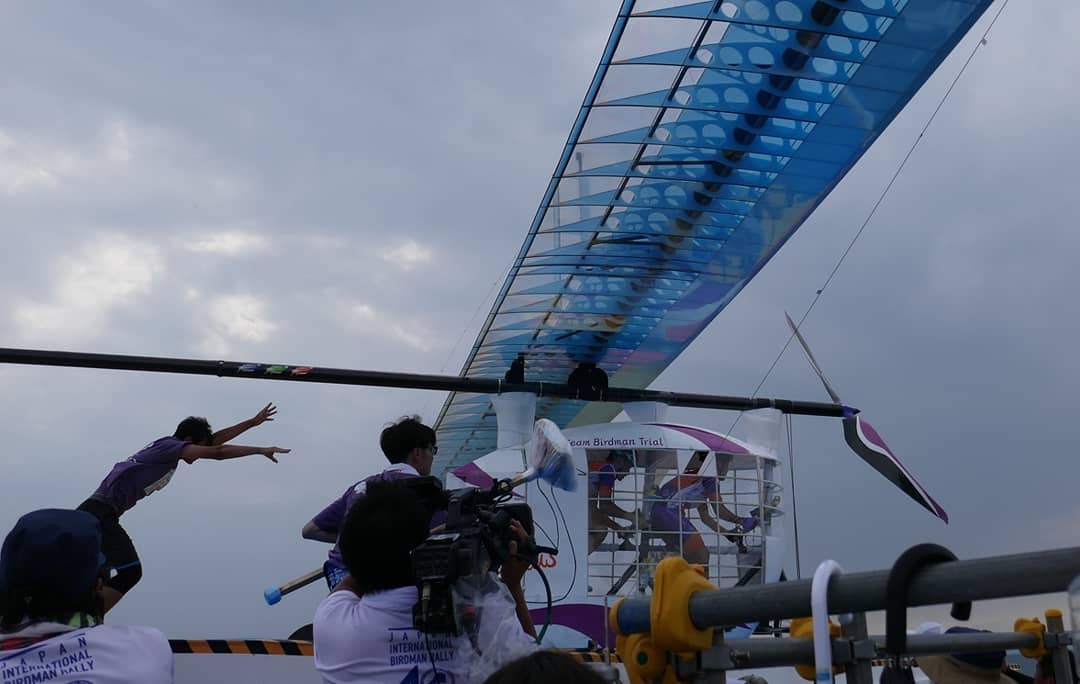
(794, 509)
(503, 274)
(982, 41)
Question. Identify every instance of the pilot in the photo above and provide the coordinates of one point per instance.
(602, 507)
(692, 490)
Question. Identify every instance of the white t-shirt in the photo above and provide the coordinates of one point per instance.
(371, 639)
(106, 654)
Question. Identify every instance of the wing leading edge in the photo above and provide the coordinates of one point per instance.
(686, 169)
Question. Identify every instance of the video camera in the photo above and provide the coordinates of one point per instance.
(473, 542)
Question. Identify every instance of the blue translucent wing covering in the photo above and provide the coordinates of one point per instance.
(710, 131)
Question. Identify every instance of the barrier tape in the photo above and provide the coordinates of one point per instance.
(306, 648)
(303, 648)
(243, 647)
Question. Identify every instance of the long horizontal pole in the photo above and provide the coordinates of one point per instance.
(773, 652)
(1023, 574)
(446, 383)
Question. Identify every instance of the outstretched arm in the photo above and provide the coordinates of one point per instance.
(725, 513)
(224, 452)
(707, 518)
(233, 431)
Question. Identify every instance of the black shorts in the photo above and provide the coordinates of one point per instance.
(119, 551)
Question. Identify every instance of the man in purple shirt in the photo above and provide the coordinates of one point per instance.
(410, 447)
(149, 470)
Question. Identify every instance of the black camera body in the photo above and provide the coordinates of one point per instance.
(474, 541)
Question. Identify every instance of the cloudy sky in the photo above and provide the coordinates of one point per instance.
(344, 184)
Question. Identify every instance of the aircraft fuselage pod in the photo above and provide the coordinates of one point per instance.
(646, 489)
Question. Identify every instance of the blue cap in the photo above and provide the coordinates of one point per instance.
(986, 660)
(52, 550)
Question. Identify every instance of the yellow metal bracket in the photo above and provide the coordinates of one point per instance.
(1032, 626)
(646, 656)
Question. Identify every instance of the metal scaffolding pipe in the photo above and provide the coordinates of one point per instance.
(1025, 574)
(746, 653)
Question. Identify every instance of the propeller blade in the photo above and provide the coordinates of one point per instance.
(813, 362)
(868, 444)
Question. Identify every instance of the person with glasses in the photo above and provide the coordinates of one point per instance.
(150, 469)
(410, 447)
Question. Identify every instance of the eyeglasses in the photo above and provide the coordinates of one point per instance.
(434, 449)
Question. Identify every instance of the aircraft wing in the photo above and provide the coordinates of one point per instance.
(709, 133)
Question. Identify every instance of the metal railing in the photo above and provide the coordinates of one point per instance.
(946, 582)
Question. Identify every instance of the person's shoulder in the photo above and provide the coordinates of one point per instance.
(149, 642)
(340, 610)
(167, 440)
(137, 652)
(337, 601)
(162, 445)
(141, 633)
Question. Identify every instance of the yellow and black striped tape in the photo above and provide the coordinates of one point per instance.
(303, 648)
(243, 646)
(306, 648)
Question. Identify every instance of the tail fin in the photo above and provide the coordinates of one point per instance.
(868, 444)
(865, 441)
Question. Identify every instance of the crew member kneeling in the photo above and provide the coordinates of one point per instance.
(364, 630)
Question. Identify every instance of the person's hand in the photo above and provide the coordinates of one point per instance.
(270, 451)
(267, 413)
(514, 568)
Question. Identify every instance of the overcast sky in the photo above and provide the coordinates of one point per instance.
(343, 184)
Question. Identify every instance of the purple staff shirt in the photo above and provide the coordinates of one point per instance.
(332, 517)
(147, 471)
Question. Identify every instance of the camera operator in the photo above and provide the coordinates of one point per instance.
(364, 631)
(51, 578)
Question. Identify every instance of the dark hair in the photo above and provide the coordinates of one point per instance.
(18, 605)
(543, 667)
(194, 428)
(625, 454)
(380, 531)
(398, 440)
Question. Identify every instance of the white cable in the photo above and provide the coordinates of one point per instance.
(819, 617)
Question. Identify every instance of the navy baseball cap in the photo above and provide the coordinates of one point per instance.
(52, 550)
(988, 659)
